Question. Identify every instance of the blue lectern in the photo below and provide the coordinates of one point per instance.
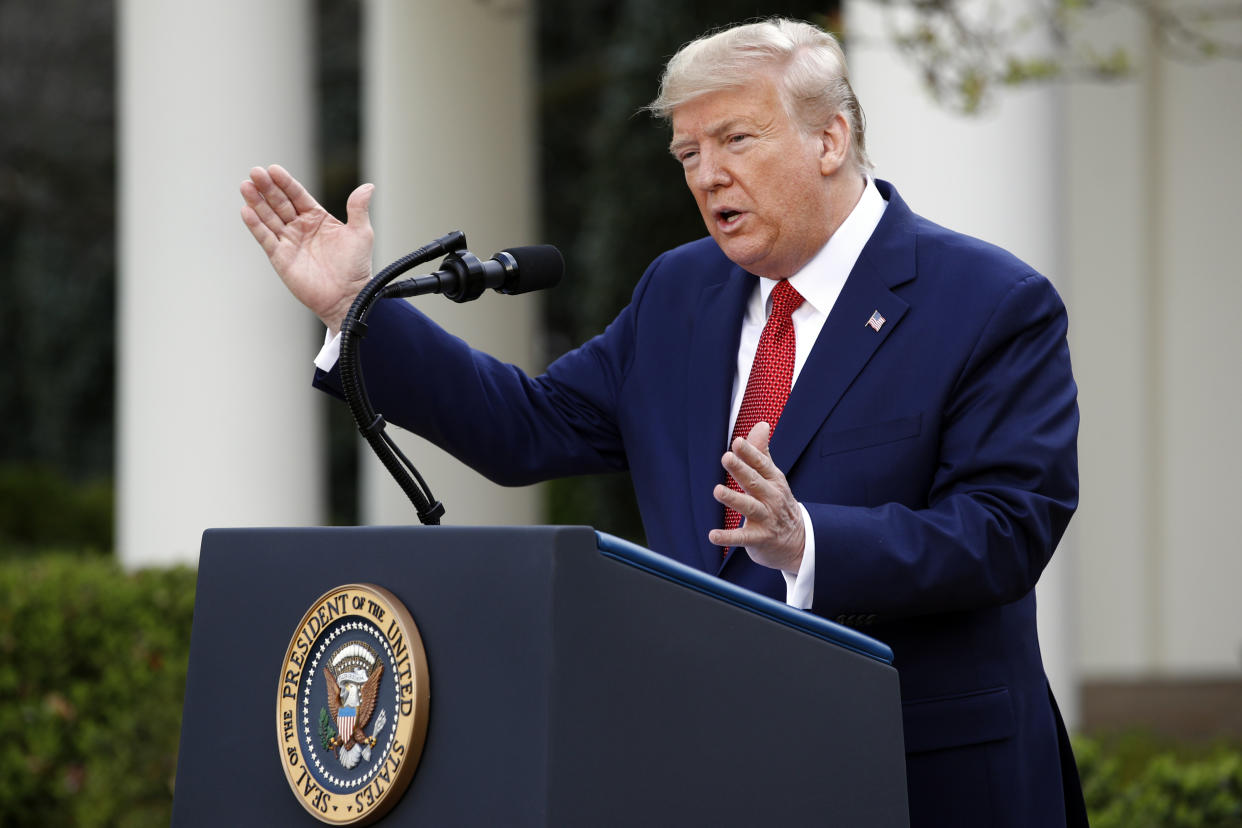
(575, 680)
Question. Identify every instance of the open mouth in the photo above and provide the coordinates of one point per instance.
(727, 217)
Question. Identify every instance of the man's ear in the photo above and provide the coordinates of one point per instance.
(834, 144)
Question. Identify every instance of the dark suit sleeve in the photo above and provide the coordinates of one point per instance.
(1002, 490)
(512, 428)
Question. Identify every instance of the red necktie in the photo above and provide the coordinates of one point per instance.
(771, 376)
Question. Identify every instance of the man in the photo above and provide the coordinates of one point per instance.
(904, 416)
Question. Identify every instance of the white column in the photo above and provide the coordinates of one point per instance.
(448, 143)
(1154, 170)
(1197, 171)
(995, 176)
(1115, 170)
(218, 425)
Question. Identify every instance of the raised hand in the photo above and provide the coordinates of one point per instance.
(323, 262)
(773, 533)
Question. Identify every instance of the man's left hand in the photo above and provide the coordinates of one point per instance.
(772, 533)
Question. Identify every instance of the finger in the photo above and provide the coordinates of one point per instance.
(262, 210)
(760, 435)
(744, 504)
(358, 207)
(260, 177)
(748, 453)
(730, 537)
(297, 197)
(726, 537)
(261, 232)
(750, 477)
(274, 184)
(757, 458)
(267, 238)
(757, 524)
(748, 534)
(262, 181)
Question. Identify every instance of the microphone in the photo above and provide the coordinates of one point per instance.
(464, 277)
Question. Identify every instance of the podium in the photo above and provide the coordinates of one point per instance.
(575, 680)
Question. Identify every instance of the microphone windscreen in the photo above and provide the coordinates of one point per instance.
(539, 266)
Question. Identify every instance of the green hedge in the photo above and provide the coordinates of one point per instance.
(92, 674)
(41, 507)
(1137, 781)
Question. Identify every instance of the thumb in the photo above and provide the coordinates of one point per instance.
(358, 207)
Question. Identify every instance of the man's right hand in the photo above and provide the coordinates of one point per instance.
(323, 262)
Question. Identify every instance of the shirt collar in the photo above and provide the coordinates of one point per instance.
(820, 280)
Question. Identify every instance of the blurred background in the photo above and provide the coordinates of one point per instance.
(157, 375)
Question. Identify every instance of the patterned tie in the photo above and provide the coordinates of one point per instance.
(771, 377)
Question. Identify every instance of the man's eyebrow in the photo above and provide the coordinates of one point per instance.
(713, 131)
(679, 144)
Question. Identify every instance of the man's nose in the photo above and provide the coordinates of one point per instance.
(710, 172)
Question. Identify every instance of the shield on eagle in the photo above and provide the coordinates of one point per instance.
(352, 676)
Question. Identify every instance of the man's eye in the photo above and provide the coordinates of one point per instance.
(738, 138)
(687, 157)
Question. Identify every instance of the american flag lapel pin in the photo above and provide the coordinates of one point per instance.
(876, 321)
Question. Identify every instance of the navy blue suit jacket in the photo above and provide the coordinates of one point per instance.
(936, 457)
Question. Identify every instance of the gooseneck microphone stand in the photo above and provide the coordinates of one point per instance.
(370, 423)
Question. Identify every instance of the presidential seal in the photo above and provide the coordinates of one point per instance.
(352, 705)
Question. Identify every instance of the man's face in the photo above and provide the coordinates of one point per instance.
(759, 180)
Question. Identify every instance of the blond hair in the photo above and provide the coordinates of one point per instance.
(807, 61)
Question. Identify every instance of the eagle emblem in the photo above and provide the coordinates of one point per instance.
(352, 675)
(352, 705)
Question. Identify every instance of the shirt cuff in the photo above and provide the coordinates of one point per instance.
(800, 587)
(330, 352)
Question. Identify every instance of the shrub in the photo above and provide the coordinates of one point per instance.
(1127, 787)
(92, 674)
(40, 507)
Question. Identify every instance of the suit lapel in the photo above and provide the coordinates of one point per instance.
(713, 362)
(847, 342)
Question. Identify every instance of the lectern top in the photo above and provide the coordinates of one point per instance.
(645, 559)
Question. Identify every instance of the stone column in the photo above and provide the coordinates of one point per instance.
(218, 424)
(1154, 171)
(448, 142)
